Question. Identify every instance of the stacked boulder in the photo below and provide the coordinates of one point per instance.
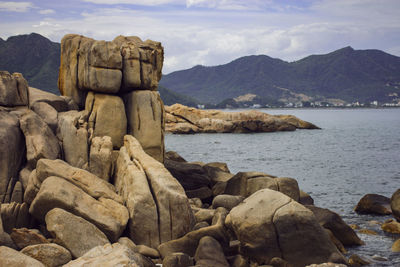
(84, 180)
(115, 83)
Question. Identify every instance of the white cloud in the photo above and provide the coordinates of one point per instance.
(16, 6)
(46, 11)
(135, 2)
(46, 24)
(229, 4)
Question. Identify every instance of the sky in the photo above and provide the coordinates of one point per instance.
(214, 32)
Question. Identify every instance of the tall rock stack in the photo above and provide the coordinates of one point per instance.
(115, 83)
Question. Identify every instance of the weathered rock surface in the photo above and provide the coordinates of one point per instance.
(11, 257)
(278, 229)
(48, 114)
(13, 89)
(88, 182)
(107, 256)
(177, 260)
(395, 204)
(40, 139)
(132, 184)
(189, 242)
(15, 215)
(391, 226)
(24, 237)
(12, 151)
(174, 212)
(374, 204)
(209, 253)
(332, 221)
(145, 114)
(226, 201)
(122, 65)
(73, 232)
(100, 163)
(51, 255)
(190, 176)
(182, 119)
(396, 246)
(109, 216)
(59, 103)
(106, 117)
(73, 134)
(247, 183)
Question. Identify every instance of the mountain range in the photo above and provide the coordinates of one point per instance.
(345, 75)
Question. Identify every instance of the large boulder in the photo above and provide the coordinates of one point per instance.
(73, 232)
(282, 228)
(13, 89)
(51, 255)
(108, 256)
(24, 237)
(374, 204)
(99, 67)
(109, 216)
(73, 134)
(15, 215)
(333, 222)
(36, 96)
(145, 113)
(142, 63)
(395, 204)
(210, 253)
(106, 117)
(40, 139)
(47, 113)
(100, 159)
(173, 213)
(12, 151)
(189, 242)
(11, 257)
(88, 182)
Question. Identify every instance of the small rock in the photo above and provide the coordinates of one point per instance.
(147, 251)
(395, 204)
(177, 260)
(226, 201)
(24, 237)
(379, 258)
(200, 225)
(367, 232)
(374, 204)
(209, 253)
(51, 255)
(356, 260)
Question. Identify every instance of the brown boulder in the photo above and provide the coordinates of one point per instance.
(332, 221)
(51, 255)
(282, 228)
(100, 163)
(190, 176)
(12, 150)
(11, 257)
(209, 253)
(73, 232)
(13, 89)
(40, 139)
(106, 117)
(177, 260)
(24, 237)
(15, 215)
(145, 114)
(395, 204)
(59, 103)
(373, 204)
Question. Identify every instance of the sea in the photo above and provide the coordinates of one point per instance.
(356, 152)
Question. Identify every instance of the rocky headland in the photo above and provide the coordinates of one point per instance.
(181, 119)
(85, 179)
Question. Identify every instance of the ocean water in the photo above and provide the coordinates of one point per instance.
(357, 152)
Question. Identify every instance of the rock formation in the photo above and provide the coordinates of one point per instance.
(84, 180)
(185, 120)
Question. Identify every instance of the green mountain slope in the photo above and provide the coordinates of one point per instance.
(33, 55)
(348, 74)
(169, 98)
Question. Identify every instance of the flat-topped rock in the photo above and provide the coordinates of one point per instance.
(182, 119)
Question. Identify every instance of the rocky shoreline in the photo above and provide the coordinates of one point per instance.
(180, 119)
(85, 179)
